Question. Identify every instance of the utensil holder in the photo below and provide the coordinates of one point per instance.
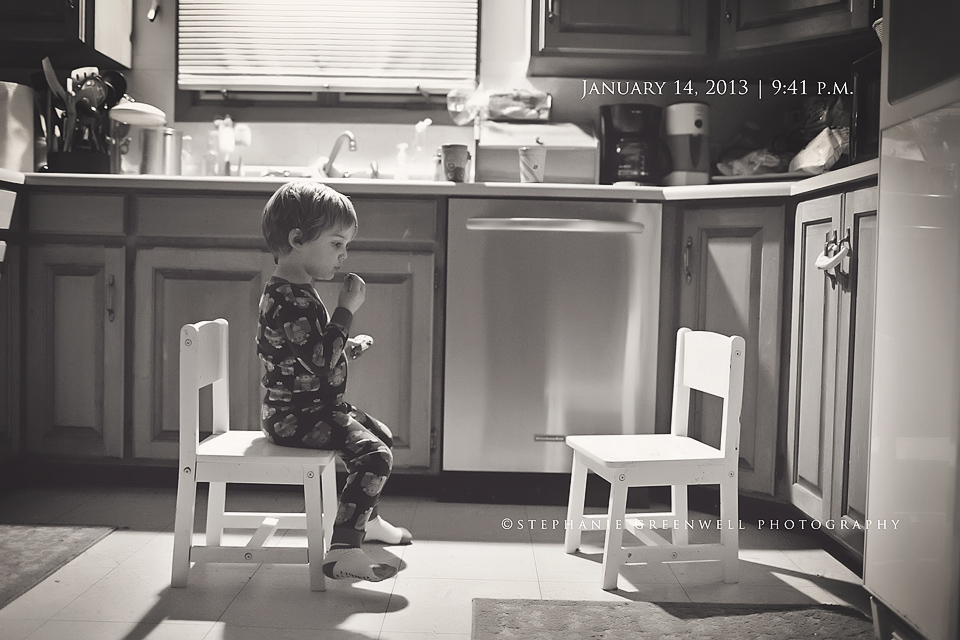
(78, 162)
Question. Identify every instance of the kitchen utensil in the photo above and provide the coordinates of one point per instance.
(52, 82)
(82, 74)
(161, 149)
(138, 113)
(71, 122)
(116, 86)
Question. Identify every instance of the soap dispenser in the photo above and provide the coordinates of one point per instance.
(403, 167)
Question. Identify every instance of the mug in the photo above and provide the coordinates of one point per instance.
(454, 158)
(532, 161)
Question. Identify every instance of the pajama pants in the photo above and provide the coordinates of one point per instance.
(362, 442)
(364, 446)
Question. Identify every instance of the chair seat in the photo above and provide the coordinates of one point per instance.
(253, 446)
(630, 451)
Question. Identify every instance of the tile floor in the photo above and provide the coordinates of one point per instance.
(119, 589)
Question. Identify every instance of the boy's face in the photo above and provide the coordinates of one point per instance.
(324, 256)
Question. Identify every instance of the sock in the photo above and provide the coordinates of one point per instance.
(379, 530)
(351, 562)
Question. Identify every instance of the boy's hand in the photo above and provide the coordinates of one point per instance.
(353, 292)
(356, 345)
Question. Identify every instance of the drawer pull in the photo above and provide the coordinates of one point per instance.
(111, 285)
(554, 224)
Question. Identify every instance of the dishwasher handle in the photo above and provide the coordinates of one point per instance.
(554, 224)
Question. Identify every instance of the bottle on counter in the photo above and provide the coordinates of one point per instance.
(421, 160)
(403, 166)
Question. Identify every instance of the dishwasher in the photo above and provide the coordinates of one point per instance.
(551, 328)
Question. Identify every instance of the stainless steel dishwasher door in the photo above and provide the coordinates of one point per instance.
(551, 329)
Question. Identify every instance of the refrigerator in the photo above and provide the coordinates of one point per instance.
(912, 550)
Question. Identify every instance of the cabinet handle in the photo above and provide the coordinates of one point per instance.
(552, 11)
(726, 11)
(686, 260)
(554, 224)
(110, 289)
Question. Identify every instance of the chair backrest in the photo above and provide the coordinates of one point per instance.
(711, 363)
(204, 360)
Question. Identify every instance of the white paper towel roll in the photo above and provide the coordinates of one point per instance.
(16, 127)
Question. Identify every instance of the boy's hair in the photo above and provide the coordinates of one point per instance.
(309, 206)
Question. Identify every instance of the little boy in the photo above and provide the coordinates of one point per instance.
(307, 227)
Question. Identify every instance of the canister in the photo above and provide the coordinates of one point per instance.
(160, 151)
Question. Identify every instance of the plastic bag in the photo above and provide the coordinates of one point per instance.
(465, 103)
(822, 152)
(754, 163)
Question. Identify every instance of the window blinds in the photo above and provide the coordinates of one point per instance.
(365, 46)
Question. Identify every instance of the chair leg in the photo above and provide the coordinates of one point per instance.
(315, 543)
(730, 531)
(678, 494)
(578, 487)
(183, 528)
(613, 542)
(216, 505)
(328, 487)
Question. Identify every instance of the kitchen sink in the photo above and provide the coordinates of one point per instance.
(260, 171)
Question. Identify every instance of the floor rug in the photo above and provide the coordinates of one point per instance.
(495, 619)
(30, 553)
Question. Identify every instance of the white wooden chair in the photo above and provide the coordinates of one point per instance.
(242, 457)
(708, 362)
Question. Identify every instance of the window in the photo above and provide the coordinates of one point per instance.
(303, 50)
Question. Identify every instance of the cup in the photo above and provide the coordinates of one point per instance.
(532, 161)
(454, 158)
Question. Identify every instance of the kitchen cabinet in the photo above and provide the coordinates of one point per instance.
(731, 283)
(74, 350)
(72, 32)
(175, 286)
(831, 356)
(9, 351)
(747, 25)
(392, 381)
(73, 347)
(574, 37)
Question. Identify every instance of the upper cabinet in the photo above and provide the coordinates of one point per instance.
(73, 33)
(755, 24)
(624, 39)
(614, 36)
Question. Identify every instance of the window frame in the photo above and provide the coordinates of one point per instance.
(319, 106)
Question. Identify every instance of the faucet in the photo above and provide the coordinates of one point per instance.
(336, 149)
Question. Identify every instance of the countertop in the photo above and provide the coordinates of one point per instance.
(414, 188)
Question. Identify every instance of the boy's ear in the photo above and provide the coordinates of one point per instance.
(294, 238)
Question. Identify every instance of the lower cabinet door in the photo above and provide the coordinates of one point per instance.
(855, 367)
(732, 285)
(813, 360)
(175, 287)
(74, 351)
(10, 346)
(393, 380)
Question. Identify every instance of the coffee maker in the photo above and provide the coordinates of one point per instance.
(687, 128)
(630, 149)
